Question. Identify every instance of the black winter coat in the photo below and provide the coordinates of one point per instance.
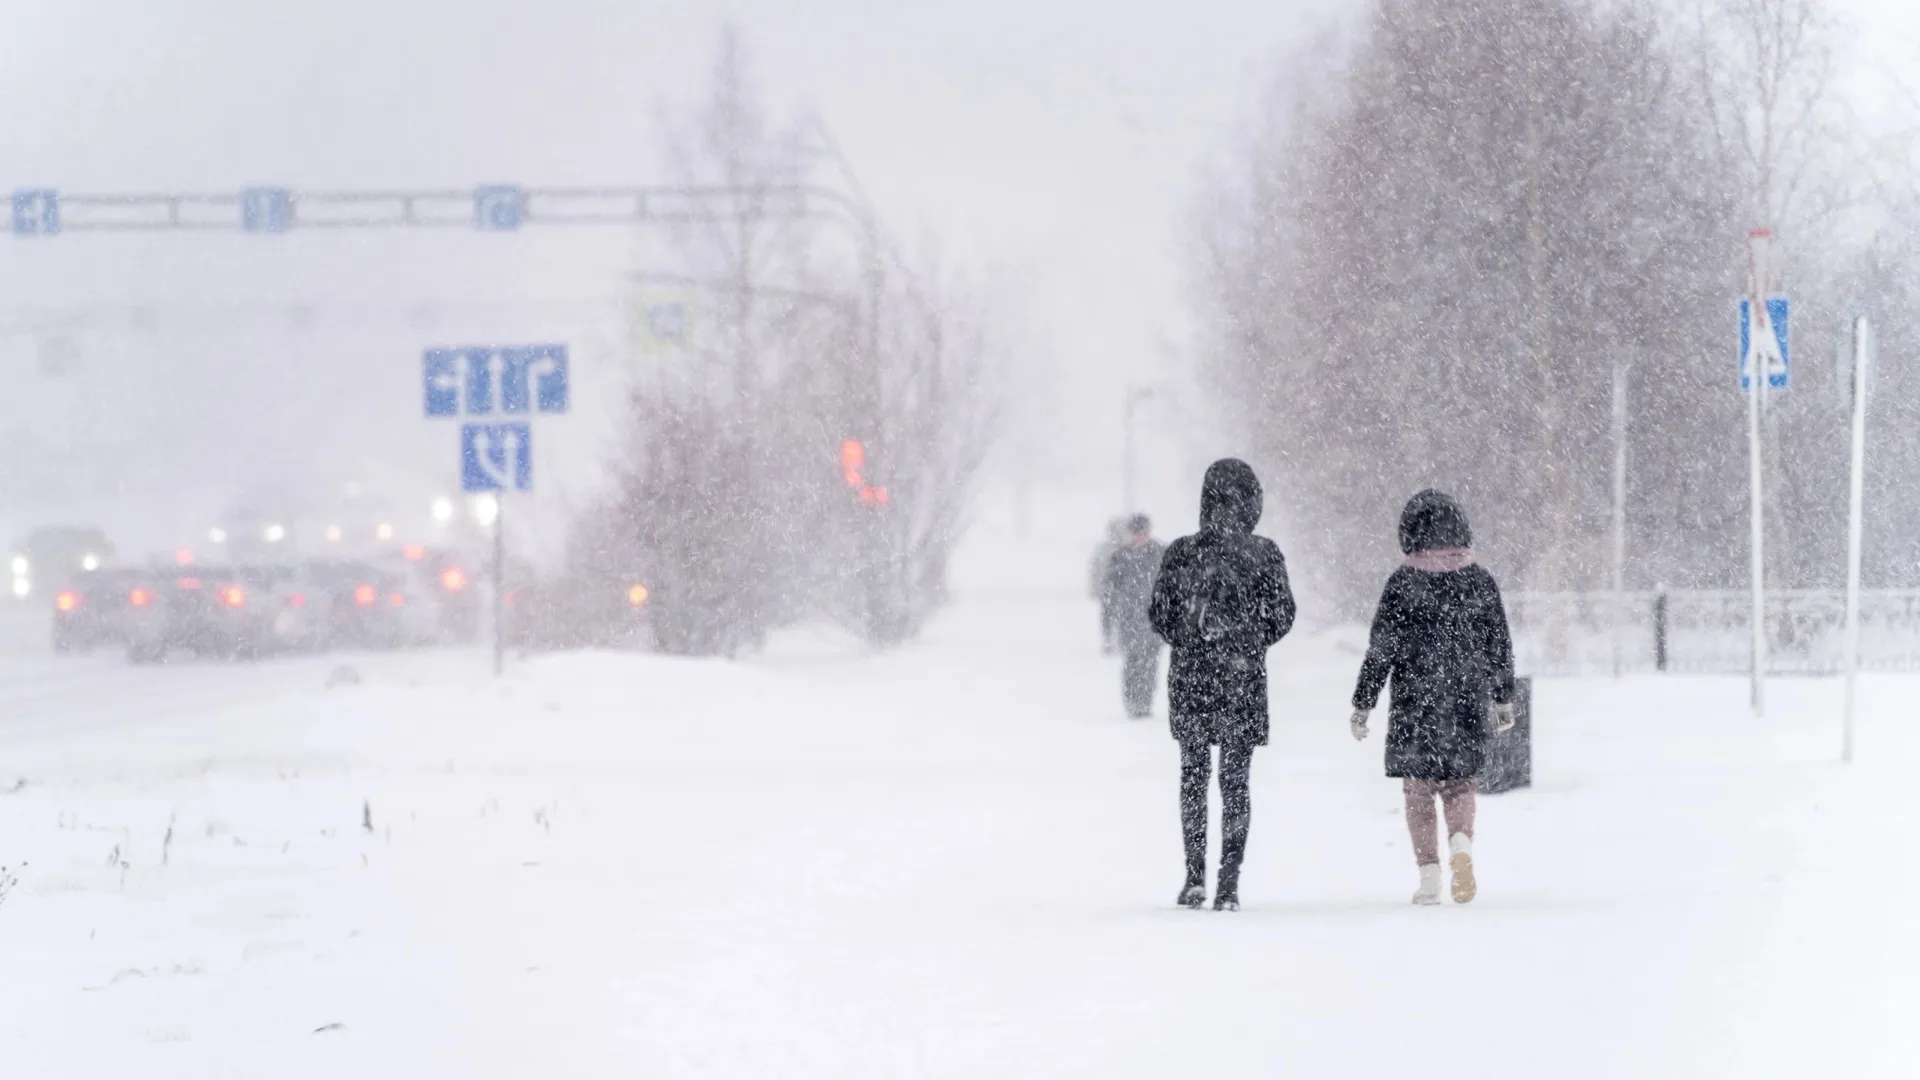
(1442, 638)
(1128, 590)
(1217, 682)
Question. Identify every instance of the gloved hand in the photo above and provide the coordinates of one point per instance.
(1358, 725)
(1503, 717)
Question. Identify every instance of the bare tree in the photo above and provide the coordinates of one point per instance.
(1765, 72)
(1765, 75)
(942, 389)
(1431, 263)
(736, 494)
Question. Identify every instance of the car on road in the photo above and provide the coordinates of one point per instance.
(230, 612)
(94, 607)
(444, 595)
(361, 604)
(47, 559)
(578, 612)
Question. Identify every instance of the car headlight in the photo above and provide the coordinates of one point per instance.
(21, 586)
(89, 562)
(21, 566)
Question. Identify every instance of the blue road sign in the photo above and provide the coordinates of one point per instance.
(1777, 352)
(668, 321)
(496, 457)
(533, 377)
(266, 209)
(480, 368)
(498, 207)
(440, 378)
(480, 381)
(36, 212)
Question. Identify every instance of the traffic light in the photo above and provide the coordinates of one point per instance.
(853, 466)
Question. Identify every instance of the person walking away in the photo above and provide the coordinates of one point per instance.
(1097, 579)
(1221, 600)
(1440, 634)
(1127, 593)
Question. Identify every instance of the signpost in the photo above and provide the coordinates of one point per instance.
(1856, 489)
(36, 212)
(45, 212)
(1775, 347)
(266, 209)
(1764, 347)
(496, 455)
(498, 207)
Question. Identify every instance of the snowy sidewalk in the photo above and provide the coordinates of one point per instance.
(952, 862)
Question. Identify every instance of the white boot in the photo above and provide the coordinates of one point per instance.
(1461, 845)
(1429, 884)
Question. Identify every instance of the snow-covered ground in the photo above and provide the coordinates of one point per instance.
(953, 861)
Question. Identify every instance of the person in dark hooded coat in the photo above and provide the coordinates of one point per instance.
(1440, 634)
(1221, 600)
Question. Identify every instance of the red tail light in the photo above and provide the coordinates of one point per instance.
(184, 557)
(139, 598)
(365, 595)
(66, 601)
(397, 600)
(413, 552)
(188, 583)
(233, 596)
(297, 600)
(453, 579)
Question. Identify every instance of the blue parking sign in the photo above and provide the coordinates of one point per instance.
(496, 457)
(498, 207)
(36, 212)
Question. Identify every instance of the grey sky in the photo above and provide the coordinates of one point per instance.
(1053, 141)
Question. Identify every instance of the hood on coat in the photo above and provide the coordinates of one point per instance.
(1433, 520)
(1230, 497)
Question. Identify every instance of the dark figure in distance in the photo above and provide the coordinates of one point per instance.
(1221, 601)
(1441, 635)
(1126, 592)
(1097, 578)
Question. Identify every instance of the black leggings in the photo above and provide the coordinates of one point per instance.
(1236, 810)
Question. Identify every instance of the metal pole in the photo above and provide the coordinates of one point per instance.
(1126, 451)
(1855, 525)
(499, 584)
(1619, 512)
(1757, 374)
(1756, 379)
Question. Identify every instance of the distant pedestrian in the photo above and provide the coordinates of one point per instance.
(1221, 601)
(1097, 579)
(1127, 592)
(1440, 634)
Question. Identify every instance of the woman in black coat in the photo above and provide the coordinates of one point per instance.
(1441, 635)
(1221, 600)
